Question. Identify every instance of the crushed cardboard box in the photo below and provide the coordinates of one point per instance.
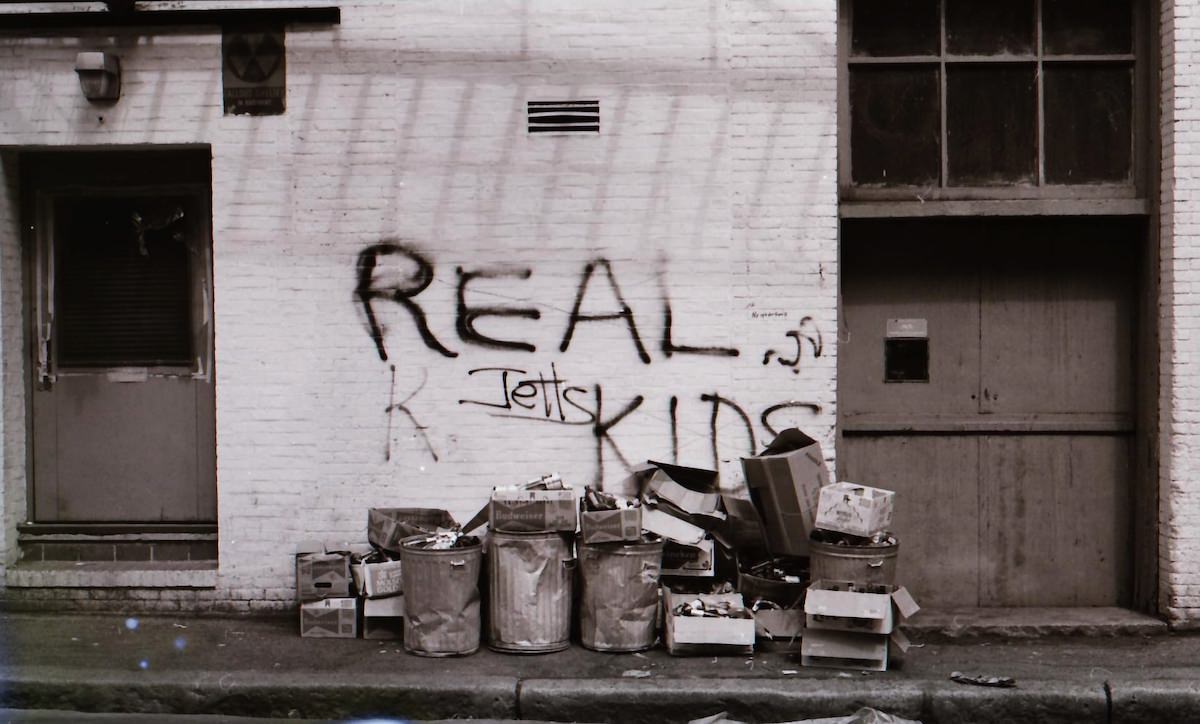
(855, 509)
(386, 527)
(697, 561)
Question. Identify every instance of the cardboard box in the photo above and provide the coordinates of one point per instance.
(844, 650)
(610, 526)
(335, 618)
(516, 510)
(785, 483)
(704, 635)
(386, 527)
(844, 606)
(377, 580)
(383, 618)
(321, 573)
(855, 509)
(697, 561)
(668, 526)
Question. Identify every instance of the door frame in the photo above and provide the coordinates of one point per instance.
(47, 173)
(1144, 486)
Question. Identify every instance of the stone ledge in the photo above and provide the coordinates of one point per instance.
(957, 623)
(109, 574)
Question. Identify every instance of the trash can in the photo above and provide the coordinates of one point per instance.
(441, 598)
(529, 592)
(618, 610)
(856, 563)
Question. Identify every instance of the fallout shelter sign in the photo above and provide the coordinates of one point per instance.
(254, 71)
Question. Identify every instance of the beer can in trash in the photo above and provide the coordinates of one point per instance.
(529, 591)
(618, 610)
(441, 598)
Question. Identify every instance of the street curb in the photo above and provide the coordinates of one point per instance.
(1032, 702)
(1155, 700)
(679, 700)
(269, 695)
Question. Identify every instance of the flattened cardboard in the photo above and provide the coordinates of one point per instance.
(704, 635)
(329, 618)
(844, 650)
(668, 526)
(321, 574)
(383, 618)
(697, 561)
(855, 509)
(610, 526)
(691, 501)
(515, 510)
(377, 580)
(785, 482)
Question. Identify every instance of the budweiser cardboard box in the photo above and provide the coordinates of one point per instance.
(702, 634)
(785, 483)
(525, 509)
(321, 573)
(855, 509)
(383, 618)
(689, 560)
(335, 618)
(845, 606)
(610, 526)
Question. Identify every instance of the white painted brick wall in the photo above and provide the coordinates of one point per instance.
(1179, 536)
(713, 182)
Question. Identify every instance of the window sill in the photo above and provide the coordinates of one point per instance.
(1003, 207)
(112, 574)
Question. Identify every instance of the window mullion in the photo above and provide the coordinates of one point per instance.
(1040, 103)
(945, 141)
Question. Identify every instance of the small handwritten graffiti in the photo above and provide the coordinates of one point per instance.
(402, 407)
(809, 332)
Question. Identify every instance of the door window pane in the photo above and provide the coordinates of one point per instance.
(895, 27)
(991, 124)
(1087, 27)
(894, 134)
(1089, 123)
(121, 284)
(987, 27)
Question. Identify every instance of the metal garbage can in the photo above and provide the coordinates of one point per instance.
(441, 598)
(618, 610)
(529, 592)
(855, 563)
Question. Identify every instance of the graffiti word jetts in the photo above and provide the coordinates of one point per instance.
(398, 273)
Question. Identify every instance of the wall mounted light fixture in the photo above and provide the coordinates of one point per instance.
(99, 75)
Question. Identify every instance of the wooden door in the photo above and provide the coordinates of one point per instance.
(1012, 457)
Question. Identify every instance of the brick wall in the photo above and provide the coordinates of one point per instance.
(1180, 317)
(710, 192)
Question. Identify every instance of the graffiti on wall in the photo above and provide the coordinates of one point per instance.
(390, 272)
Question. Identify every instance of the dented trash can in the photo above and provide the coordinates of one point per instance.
(873, 562)
(441, 597)
(529, 592)
(618, 609)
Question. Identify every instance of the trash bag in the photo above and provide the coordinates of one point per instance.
(865, 715)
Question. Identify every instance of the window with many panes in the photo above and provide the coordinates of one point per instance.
(981, 94)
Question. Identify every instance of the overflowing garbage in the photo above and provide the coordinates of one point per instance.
(789, 561)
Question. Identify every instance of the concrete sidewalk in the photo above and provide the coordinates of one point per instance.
(261, 667)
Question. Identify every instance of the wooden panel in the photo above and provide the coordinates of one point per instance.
(937, 509)
(1057, 323)
(896, 271)
(1054, 530)
(125, 451)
